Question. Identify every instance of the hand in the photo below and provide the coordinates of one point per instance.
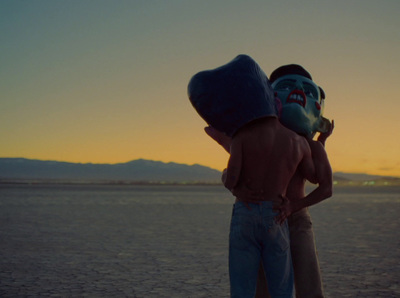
(323, 136)
(285, 209)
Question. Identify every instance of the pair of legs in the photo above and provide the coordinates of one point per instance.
(255, 237)
(307, 274)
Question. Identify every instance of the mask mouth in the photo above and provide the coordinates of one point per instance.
(297, 96)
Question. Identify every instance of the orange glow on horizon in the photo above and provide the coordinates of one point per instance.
(109, 86)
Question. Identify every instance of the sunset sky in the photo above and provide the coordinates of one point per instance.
(99, 81)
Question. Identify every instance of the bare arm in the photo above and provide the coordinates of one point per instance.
(231, 177)
(234, 163)
(323, 172)
(323, 176)
(307, 164)
(219, 137)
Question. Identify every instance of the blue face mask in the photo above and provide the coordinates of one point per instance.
(302, 105)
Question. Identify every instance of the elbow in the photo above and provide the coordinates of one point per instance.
(325, 189)
(328, 190)
(229, 185)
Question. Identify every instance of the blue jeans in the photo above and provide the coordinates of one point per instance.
(255, 236)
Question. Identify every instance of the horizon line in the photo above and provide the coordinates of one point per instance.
(174, 162)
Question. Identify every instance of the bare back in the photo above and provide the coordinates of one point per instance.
(265, 156)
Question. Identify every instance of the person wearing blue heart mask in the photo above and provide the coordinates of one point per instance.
(300, 105)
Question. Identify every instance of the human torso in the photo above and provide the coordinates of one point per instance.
(271, 155)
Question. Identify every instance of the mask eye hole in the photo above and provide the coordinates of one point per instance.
(285, 85)
(317, 105)
(310, 91)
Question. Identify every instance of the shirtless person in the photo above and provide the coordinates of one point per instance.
(286, 81)
(307, 276)
(306, 269)
(264, 155)
(237, 99)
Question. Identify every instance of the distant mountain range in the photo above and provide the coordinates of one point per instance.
(140, 170)
(136, 171)
(360, 176)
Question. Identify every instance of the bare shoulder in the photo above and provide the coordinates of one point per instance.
(301, 141)
(289, 133)
(317, 148)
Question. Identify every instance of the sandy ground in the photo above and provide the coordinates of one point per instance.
(177, 250)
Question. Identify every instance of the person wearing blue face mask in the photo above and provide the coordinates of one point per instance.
(302, 101)
(302, 106)
(301, 110)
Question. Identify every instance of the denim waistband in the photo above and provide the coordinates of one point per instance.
(256, 205)
(254, 201)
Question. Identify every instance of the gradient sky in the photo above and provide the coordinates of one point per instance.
(104, 81)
